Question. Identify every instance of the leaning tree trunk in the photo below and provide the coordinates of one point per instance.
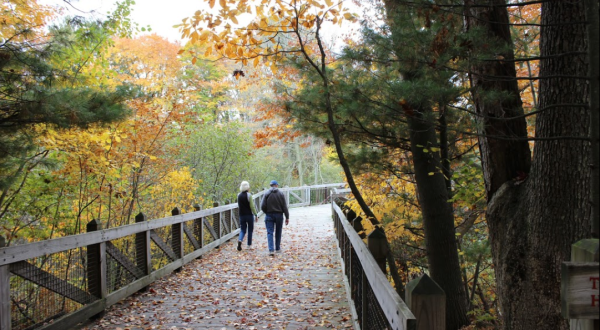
(534, 220)
(438, 218)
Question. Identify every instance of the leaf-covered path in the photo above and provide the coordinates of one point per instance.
(301, 288)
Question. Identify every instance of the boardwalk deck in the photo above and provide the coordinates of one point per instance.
(301, 288)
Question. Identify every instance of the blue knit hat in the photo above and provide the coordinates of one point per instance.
(273, 182)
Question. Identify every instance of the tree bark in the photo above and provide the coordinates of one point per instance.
(503, 160)
(533, 221)
(438, 218)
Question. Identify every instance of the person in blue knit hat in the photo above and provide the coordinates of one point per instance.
(274, 206)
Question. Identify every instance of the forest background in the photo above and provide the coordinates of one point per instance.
(102, 122)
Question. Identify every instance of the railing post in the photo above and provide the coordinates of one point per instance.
(377, 244)
(217, 221)
(229, 217)
(177, 237)
(427, 302)
(143, 255)
(357, 225)
(5, 318)
(199, 228)
(583, 251)
(96, 265)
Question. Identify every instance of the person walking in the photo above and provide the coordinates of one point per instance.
(274, 207)
(247, 214)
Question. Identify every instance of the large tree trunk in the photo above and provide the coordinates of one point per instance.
(438, 218)
(503, 159)
(533, 221)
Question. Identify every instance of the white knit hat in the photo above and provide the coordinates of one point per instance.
(244, 186)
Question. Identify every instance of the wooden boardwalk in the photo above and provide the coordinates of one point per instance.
(301, 288)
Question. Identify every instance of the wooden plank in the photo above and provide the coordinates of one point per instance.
(44, 279)
(5, 321)
(162, 245)
(210, 228)
(123, 260)
(396, 311)
(297, 197)
(190, 236)
(580, 283)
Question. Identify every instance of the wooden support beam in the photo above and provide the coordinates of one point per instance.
(143, 254)
(211, 229)
(177, 237)
(190, 235)
(217, 222)
(96, 264)
(162, 245)
(123, 260)
(5, 318)
(44, 279)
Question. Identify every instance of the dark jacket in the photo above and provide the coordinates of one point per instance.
(274, 202)
(245, 205)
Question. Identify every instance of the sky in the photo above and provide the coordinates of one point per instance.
(160, 15)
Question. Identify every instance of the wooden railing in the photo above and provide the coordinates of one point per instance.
(377, 305)
(58, 283)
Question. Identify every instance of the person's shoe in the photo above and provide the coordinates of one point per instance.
(239, 248)
(278, 251)
(249, 247)
(271, 253)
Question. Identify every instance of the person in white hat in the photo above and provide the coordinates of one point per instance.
(247, 214)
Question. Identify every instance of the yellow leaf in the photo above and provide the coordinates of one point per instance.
(329, 3)
(430, 173)
(234, 20)
(180, 51)
(211, 3)
(194, 60)
(348, 16)
(256, 61)
(223, 3)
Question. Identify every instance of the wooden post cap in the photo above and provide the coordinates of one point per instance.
(94, 225)
(140, 217)
(423, 285)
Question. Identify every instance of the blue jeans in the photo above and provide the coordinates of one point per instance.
(246, 225)
(274, 222)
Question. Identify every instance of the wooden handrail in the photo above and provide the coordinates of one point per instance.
(396, 311)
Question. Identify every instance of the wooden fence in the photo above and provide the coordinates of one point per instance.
(377, 305)
(58, 283)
